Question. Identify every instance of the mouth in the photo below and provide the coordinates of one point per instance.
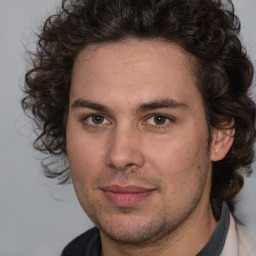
(126, 196)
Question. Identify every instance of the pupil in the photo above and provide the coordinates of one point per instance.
(160, 120)
(97, 119)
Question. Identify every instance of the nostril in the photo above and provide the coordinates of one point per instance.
(124, 152)
(122, 167)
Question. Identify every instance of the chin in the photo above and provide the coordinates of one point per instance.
(136, 231)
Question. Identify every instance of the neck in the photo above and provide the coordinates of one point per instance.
(188, 239)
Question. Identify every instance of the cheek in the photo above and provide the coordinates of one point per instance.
(171, 155)
(85, 156)
(179, 159)
(84, 159)
(183, 168)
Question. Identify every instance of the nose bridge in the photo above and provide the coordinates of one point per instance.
(125, 148)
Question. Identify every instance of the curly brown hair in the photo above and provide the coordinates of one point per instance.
(208, 29)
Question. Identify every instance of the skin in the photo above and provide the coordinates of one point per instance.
(116, 136)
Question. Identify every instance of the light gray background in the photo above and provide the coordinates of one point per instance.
(38, 217)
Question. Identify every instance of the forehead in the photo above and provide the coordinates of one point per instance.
(137, 70)
(134, 50)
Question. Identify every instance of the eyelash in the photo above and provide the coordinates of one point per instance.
(85, 120)
(168, 119)
(152, 126)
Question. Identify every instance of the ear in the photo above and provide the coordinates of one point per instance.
(222, 141)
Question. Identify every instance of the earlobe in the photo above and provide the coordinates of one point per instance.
(222, 141)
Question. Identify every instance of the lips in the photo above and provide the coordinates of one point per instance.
(126, 196)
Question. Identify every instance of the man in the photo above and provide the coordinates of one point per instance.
(149, 102)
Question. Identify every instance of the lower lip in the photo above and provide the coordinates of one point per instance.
(127, 199)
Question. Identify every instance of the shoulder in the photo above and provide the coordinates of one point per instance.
(238, 242)
(84, 244)
(246, 243)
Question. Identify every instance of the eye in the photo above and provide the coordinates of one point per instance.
(159, 120)
(96, 119)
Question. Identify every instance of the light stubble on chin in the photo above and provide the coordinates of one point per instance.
(159, 229)
(162, 227)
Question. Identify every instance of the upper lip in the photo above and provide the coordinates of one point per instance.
(126, 189)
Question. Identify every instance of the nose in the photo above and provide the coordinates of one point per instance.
(125, 150)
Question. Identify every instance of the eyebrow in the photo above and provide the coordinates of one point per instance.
(156, 104)
(162, 103)
(81, 103)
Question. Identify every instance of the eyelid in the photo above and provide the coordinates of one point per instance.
(162, 115)
(169, 118)
(85, 117)
(107, 121)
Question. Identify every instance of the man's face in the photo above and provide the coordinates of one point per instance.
(137, 139)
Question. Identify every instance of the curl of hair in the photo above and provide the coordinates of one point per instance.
(207, 29)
